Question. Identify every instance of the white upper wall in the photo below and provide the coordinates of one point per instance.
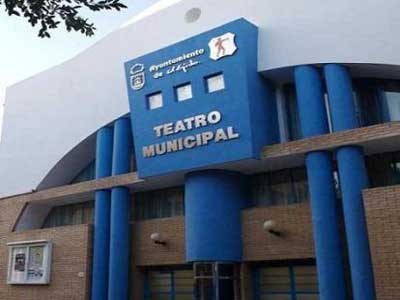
(50, 113)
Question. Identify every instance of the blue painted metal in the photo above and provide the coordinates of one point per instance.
(353, 179)
(325, 226)
(341, 100)
(310, 97)
(122, 147)
(120, 212)
(314, 121)
(104, 152)
(104, 146)
(213, 203)
(247, 103)
(118, 287)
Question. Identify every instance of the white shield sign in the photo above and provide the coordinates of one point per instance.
(137, 77)
(222, 46)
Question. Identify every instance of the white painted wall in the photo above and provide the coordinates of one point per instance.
(48, 114)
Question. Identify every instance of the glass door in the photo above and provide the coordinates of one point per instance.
(215, 281)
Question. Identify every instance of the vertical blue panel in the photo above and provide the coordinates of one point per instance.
(119, 244)
(325, 226)
(341, 102)
(102, 216)
(120, 211)
(213, 203)
(353, 178)
(246, 104)
(104, 152)
(122, 147)
(310, 97)
(314, 121)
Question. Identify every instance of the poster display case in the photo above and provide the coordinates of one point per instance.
(29, 262)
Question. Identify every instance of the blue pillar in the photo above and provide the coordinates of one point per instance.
(325, 226)
(311, 105)
(213, 203)
(120, 211)
(119, 244)
(353, 179)
(122, 147)
(104, 146)
(341, 100)
(313, 119)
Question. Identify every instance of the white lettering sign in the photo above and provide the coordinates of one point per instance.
(191, 141)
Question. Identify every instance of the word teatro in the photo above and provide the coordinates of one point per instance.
(190, 141)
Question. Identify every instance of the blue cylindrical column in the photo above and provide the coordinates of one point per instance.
(122, 147)
(119, 244)
(311, 105)
(120, 211)
(314, 121)
(353, 179)
(213, 203)
(325, 226)
(341, 100)
(104, 146)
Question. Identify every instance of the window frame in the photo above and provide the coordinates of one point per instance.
(47, 257)
(214, 75)
(172, 291)
(52, 220)
(176, 90)
(270, 182)
(292, 292)
(153, 198)
(148, 100)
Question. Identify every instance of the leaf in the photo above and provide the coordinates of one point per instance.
(51, 13)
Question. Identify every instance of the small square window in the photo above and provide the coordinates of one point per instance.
(215, 83)
(184, 92)
(155, 101)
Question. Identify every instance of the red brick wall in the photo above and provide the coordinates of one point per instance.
(71, 247)
(294, 221)
(382, 207)
(148, 253)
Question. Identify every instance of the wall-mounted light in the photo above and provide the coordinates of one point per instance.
(270, 226)
(157, 239)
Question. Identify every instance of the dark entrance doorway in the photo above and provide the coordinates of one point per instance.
(215, 281)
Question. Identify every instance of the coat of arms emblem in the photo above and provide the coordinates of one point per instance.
(222, 46)
(138, 78)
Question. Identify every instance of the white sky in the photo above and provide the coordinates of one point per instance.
(23, 54)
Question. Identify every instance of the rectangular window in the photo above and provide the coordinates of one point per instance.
(155, 100)
(70, 214)
(29, 262)
(384, 169)
(164, 203)
(292, 113)
(215, 83)
(184, 92)
(280, 187)
(377, 101)
(292, 282)
(169, 284)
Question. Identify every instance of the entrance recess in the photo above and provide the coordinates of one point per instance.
(216, 281)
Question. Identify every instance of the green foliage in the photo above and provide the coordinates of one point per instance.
(48, 14)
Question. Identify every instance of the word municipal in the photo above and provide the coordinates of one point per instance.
(191, 141)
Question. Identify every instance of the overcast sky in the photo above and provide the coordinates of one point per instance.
(23, 54)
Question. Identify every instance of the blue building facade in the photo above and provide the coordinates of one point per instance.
(210, 150)
(199, 107)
